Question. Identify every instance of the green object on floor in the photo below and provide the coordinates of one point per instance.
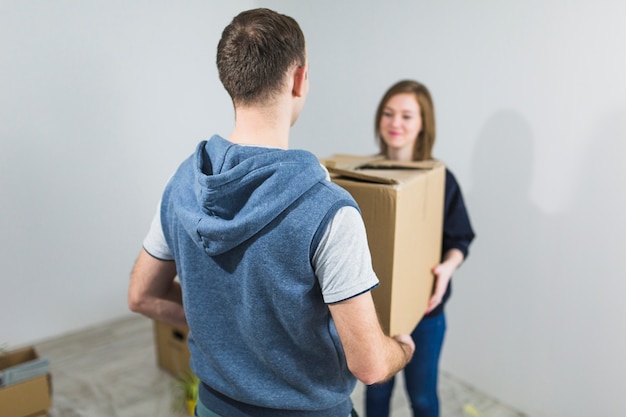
(187, 383)
(471, 411)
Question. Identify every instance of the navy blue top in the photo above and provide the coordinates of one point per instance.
(457, 229)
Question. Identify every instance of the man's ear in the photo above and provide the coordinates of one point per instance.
(300, 76)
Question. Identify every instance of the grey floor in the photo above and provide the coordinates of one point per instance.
(110, 371)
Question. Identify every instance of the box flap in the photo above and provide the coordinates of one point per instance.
(15, 357)
(20, 365)
(23, 371)
(363, 167)
(348, 162)
(362, 176)
(389, 164)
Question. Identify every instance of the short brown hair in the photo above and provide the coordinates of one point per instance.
(426, 138)
(255, 52)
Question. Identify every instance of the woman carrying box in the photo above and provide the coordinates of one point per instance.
(405, 131)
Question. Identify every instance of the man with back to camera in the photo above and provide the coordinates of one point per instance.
(272, 258)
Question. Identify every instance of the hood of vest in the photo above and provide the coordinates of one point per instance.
(239, 190)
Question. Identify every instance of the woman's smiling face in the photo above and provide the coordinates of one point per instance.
(401, 123)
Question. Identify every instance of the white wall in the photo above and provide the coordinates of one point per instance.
(99, 103)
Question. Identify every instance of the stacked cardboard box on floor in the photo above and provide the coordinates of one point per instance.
(402, 207)
(171, 348)
(25, 384)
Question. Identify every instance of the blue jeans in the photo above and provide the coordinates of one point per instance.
(420, 374)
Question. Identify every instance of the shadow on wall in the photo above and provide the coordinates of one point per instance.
(540, 303)
(591, 298)
(500, 293)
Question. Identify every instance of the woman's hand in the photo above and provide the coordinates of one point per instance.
(443, 273)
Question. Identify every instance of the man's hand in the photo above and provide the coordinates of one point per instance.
(406, 343)
(372, 356)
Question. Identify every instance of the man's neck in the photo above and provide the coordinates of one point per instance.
(261, 126)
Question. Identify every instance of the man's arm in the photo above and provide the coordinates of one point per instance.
(153, 291)
(343, 265)
(372, 356)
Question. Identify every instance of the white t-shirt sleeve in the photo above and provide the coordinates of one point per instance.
(154, 243)
(342, 260)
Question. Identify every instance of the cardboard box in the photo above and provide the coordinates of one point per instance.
(171, 348)
(402, 207)
(32, 396)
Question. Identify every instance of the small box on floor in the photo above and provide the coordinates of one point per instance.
(171, 348)
(402, 208)
(25, 384)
